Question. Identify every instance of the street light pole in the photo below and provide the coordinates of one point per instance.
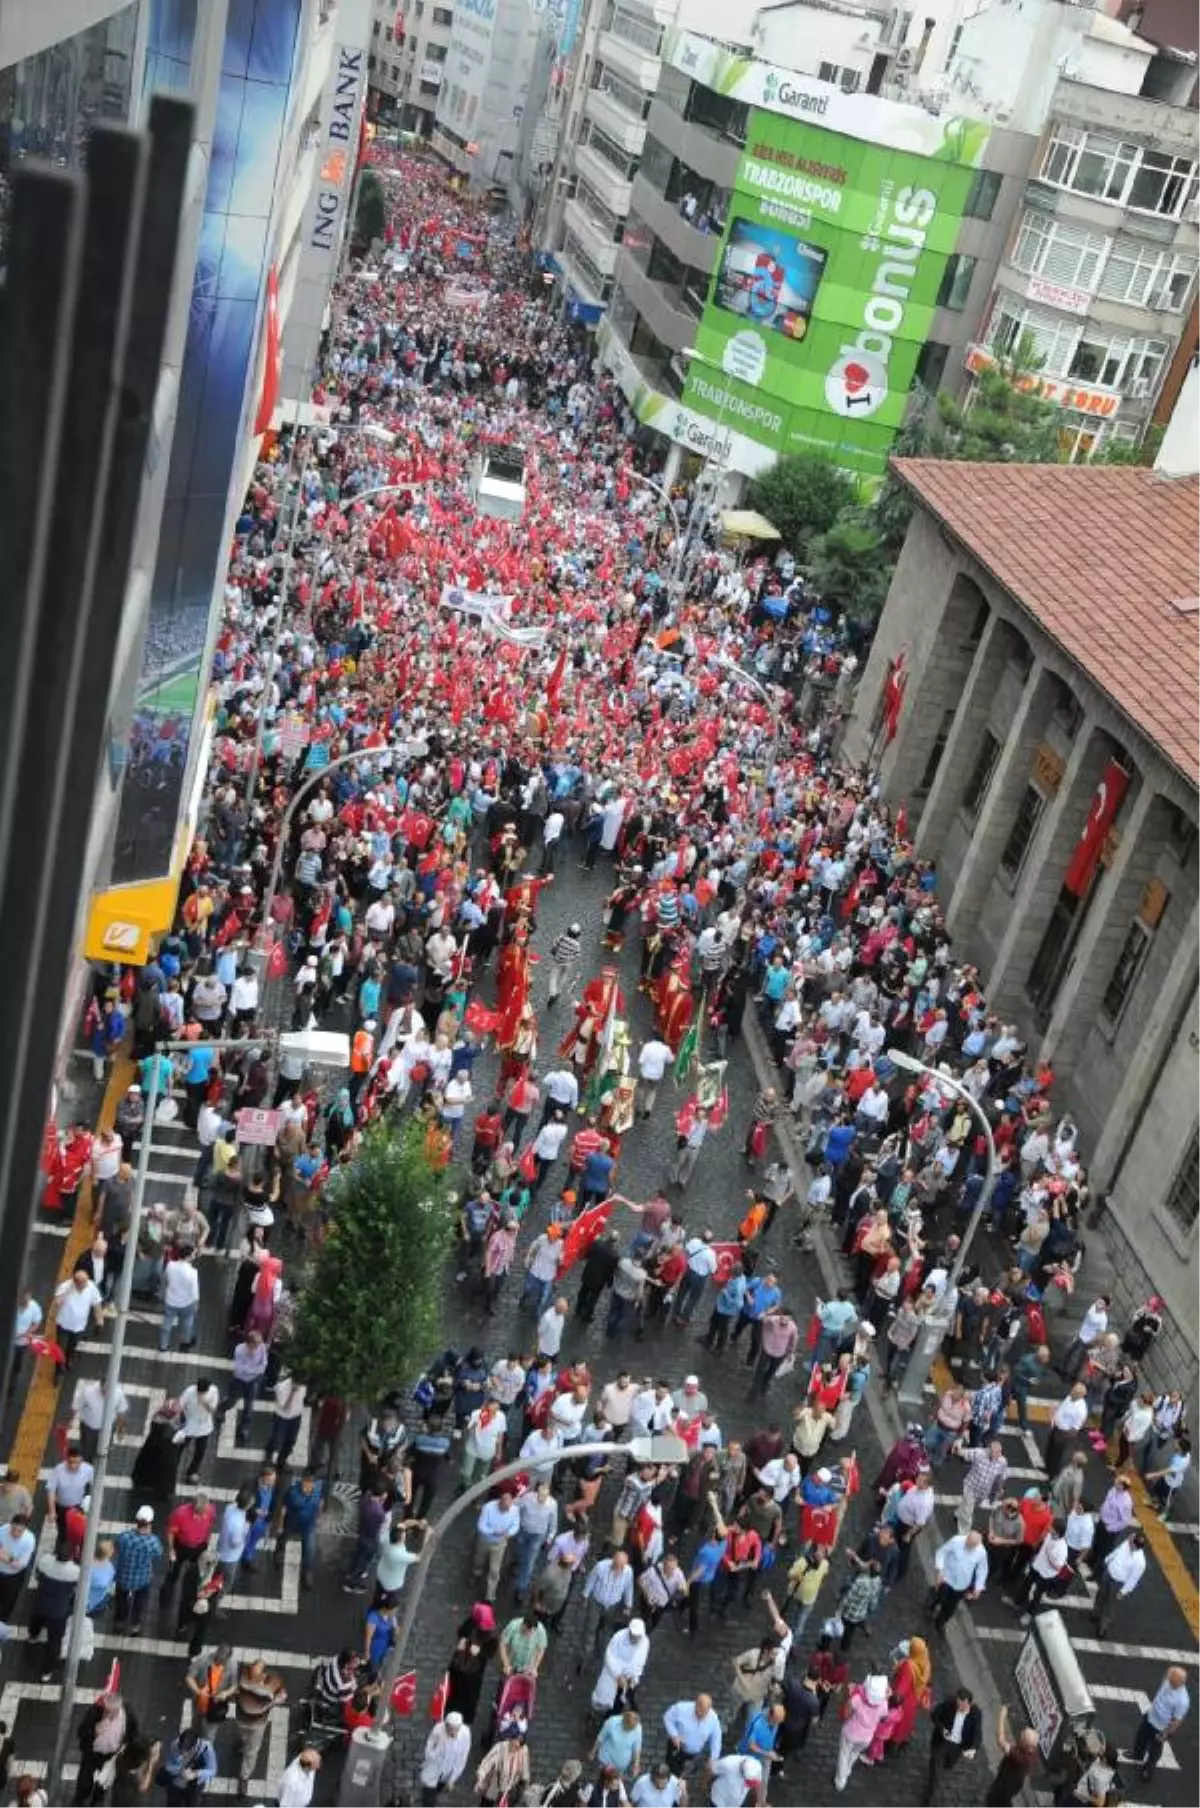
(911, 1392)
(660, 490)
(112, 1379)
(285, 821)
(759, 688)
(363, 1770)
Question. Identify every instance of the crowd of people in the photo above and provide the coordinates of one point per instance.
(590, 716)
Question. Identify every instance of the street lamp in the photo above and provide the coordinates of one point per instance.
(752, 683)
(323, 1049)
(701, 502)
(362, 1774)
(911, 1392)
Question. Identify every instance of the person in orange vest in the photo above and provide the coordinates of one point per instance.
(362, 1057)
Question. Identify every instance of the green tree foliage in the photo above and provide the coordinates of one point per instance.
(371, 214)
(1007, 420)
(802, 495)
(1120, 452)
(369, 1314)
(849, 566)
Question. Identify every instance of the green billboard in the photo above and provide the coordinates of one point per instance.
(825, 286)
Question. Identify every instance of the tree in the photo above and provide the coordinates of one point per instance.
(1007, 420)
(370, 216)
(849, 568)
(369, 1315)
(802, 495)
(891, 511)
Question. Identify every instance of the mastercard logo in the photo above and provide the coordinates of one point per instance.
(856, 386)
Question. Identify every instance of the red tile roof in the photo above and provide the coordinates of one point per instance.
(1105, 559)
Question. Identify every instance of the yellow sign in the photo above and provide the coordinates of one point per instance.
(1154, 902)
(1048, 769)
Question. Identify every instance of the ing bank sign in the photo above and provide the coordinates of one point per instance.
(341, 117)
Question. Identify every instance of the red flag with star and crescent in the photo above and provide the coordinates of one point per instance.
(583, 1233)
(727, 1254)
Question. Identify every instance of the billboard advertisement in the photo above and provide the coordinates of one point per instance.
(217, 391)
(825, 284)
(468, 61)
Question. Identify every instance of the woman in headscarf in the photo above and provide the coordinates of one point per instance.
(339, 1122)
(911, 1681)
(157, 1462)
(253, 1249)
(264, 1298)
(474, 1648)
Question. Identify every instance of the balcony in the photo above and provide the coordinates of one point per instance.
(662, 311)
(638, 66)
(623, 127)
(702, 149)
(696, 249)
(590, 232)
(612, 190)
(580, 274)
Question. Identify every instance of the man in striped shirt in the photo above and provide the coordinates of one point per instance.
(565, 955)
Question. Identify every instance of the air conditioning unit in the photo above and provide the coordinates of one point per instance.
(904, 58)
(1139, 388)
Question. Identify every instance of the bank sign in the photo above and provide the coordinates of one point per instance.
(825, 286)
(341, 117)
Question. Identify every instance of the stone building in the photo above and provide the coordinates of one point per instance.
(1044, 626)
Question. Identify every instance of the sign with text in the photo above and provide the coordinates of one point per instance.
(258, 1127)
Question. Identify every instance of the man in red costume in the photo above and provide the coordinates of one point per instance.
(582, 1042)
(512, 986)
(673, 1001)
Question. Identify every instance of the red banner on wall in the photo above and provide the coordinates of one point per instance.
(1100, 818)
(269, 394)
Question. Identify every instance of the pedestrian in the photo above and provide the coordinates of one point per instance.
(299, 1779)
(1069, 1418)
(1113, 1520)
(1161, 1721)
(138, 1553)
(955, 1726)
(1119, 1576)
(693, 1731)
(199, 1405)
(618, 1744)
(866, 1706)
(701, 1266)
(779, 1338)
(77, 1304)
(1092, 1328)
(1017, 1765)
(189, 1530)
(858, 1600)
(181, 1298)
(18, 1547)
(625, 1658)
(50, 1610)
(105, 1729)
(444, 1759)
(960, 1574)
(689, 1144)
(983, 1483)
(498, 1522)
(296, 1516)
(188, 1767)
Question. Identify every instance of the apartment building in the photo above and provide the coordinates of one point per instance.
(410, 42)
(1099, 273)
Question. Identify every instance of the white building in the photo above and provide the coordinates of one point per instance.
(485, 89)
(409, 46)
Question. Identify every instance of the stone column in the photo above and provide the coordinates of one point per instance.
(1042, 877)
(1004, 795)
(933, 687)
(973, 692)
(1141, 830)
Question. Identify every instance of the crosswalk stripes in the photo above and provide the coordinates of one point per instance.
(1151, 1654)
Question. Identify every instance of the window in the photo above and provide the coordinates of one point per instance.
(1147, 276)
(606, 222)
(622, 92)
(981, 777)
(371, 60)
(1062, 254)
(1022, 831)
(599, 284)
(442, 15)
(1183, 1198)
(375, 29)
(935, 752)
(955, 285)
(931, 365)
(656, 164)
(847, 80)
(1117, 361)
(395, 72)
(1115, 169)
(1052, 337)
(609, 152)
(1124, 975)
(643, 33)
(950, 56)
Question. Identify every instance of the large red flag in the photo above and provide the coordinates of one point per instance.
(583, 1233)
(269, 394)
(727, 1254)
(1100, 819)
(893, 697)
(554, 688)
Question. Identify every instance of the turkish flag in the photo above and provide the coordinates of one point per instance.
(404, 1693)
(583, 1233)
(1100, 819)
(554, 688)
(727, 1254)
(439, 1698)
(479, 1019)
(893, 698)
(269, 394)
(277, 960)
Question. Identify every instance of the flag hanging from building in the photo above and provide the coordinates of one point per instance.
(1100, 818)
(893, 697)
(269, 394)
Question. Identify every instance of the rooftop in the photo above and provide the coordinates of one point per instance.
(1105, 560)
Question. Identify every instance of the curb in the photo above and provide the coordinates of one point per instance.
(966, 1649)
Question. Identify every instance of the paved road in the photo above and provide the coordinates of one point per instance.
(294, 1628)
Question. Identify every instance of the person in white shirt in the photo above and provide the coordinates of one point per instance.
(243, 996)
(653, 1060)
(445, 1758)
(77, 1302)
(181, 1296)
(616, 1401)
(1092, 1328)
(547, 1146)
(88, 1407)
(198, 1404)
(1070, 1417)
(560, 1089)
(782, 1476)
(298, 1780)
(380, 918)
(1123, 1570)
(734, 1780)
(551, 1325)
(1044, 1571)
(552, 830)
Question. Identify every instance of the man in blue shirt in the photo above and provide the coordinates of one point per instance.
(762, 1731)
(297, 1518)
(200, 1063)
(693, 1730)
(729, 1303)
(190, 1766)
(597, 1173)
(703, 1573)
(761, 1295)
(1162, 1719)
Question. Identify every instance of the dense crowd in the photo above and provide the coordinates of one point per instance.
(591, 716)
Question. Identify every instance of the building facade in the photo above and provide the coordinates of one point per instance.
(410, 42)
(1045, 624)
(487, 80)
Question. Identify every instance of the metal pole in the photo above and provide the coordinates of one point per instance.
(285, 821)
(369, 1745)
(911, 1392)
(661, 491)
(756, 684)
(112, 1376)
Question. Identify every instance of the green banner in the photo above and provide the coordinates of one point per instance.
(825, 288)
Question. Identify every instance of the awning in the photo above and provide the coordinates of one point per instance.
(748, 524)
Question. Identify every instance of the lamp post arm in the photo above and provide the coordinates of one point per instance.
(285, 821)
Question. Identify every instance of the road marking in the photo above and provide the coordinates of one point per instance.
(182, 1358)
(121, 1642)
(1150, 1654)
(41, 1229)
(1103, 1691)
